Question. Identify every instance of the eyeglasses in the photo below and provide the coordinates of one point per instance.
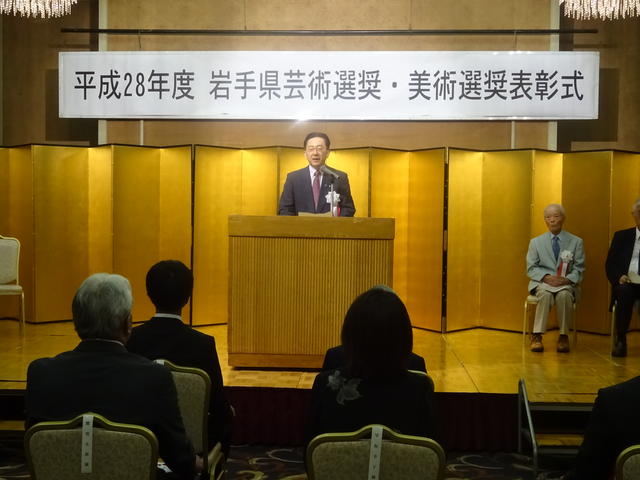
(318, 148)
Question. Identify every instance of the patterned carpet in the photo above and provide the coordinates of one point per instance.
(265, 463)
(271, 463)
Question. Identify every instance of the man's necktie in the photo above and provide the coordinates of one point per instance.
(316, 188)
(555, 245)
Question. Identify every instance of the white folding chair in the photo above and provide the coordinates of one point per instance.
(9, 270)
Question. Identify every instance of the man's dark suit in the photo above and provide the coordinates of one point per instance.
(614, 425)
(617, 265)
(172, 340)
(334, 359)
(102, 377)
(297, 195)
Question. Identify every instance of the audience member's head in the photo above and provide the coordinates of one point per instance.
(169, 285)
(376, 334)
(102, 307)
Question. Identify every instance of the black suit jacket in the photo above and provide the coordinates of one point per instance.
(172, 340)
(405, 403)
(614, 425)
(334, 359)
(104, 378)
(619, 255)
(297, 195)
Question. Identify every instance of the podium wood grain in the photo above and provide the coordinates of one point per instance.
(292, 280)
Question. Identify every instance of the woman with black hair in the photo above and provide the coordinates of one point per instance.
(375, 385)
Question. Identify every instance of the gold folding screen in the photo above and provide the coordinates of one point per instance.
(625, 189)
(464, 246)
(16, 220)
(409, 186)
(227, 182)
(356, 163)
(496, 203)
(81, 210)
(151, 214)
(506, 193)
(63, 190)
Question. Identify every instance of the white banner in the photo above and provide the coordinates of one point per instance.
(330, 85)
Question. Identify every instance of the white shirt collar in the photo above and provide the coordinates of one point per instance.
(168, 315)
(107, 340)
(312, 172)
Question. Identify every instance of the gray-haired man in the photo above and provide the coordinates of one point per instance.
(555, 264)
(101, 376)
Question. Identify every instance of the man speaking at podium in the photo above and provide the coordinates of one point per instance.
(308, 190)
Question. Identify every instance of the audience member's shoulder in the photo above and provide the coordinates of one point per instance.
(416, 362)
(624, 389)
(40, 363)
(202, 337)
(45, 362)
(334, 350)
(150, 368)
(420, 380)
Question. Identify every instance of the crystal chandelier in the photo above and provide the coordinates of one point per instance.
(602, 9)
(37, 8)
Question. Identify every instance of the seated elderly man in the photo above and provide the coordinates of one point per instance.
(555, 264)
(623, 272)
(101, 376)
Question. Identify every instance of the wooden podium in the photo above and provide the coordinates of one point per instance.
(292, 280)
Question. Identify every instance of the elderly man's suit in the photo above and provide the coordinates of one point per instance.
(541, 261)
(101, 376)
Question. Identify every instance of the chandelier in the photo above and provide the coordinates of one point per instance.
(37, 8)
(602, 9)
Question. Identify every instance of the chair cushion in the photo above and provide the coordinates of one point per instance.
(631, 467)
(56, 454)
(349, 460)
(10, 289)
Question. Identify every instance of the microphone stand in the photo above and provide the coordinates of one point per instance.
(332, 197)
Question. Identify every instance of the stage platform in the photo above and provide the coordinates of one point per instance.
(470, 361)
(475, 372)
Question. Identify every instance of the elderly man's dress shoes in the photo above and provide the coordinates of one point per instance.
(619, 349)
(536, 343)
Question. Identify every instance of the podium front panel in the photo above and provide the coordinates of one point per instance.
(292, 280)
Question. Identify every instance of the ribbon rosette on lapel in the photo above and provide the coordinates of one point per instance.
(566, 257)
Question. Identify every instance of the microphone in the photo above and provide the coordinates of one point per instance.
(327, 170)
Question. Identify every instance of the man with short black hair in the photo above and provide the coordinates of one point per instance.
(100, 376)
(169, 286)
(306, 190)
